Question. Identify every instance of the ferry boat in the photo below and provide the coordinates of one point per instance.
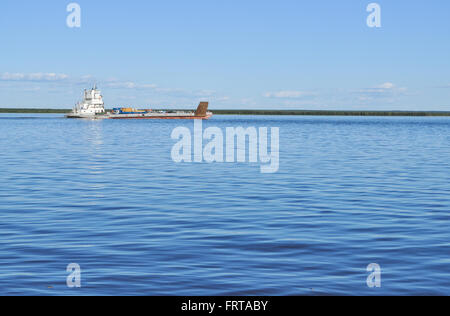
(92, 107)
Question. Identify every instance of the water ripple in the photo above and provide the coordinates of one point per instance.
(105, 194)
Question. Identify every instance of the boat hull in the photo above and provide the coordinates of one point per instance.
(87, 117)
(114, 117)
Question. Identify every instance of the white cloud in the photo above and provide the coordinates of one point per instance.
(34, 77)
(222, 99)
(248, 102)
(54, 82)
(128, 85)
(46, 77)
(205, 93)
(387, 85)
(112, 83)
(384, 90)
(288, 94)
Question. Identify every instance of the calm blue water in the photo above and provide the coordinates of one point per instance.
(105, 194)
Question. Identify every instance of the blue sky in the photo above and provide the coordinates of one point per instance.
(285, 54)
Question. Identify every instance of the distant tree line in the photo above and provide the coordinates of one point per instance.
(270, 112)
(34, 111)
(330, 113)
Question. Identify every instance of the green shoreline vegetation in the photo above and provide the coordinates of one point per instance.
(267, 112)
